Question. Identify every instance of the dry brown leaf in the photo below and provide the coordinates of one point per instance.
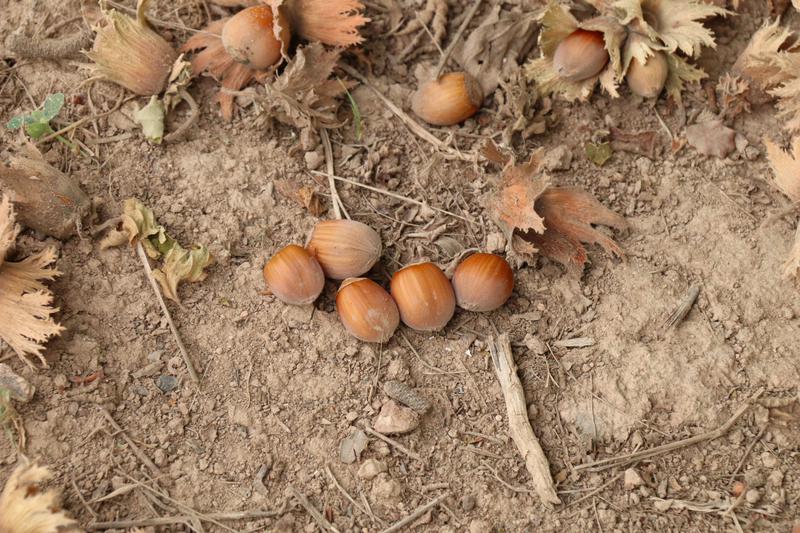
(304, 195)
(303, 95)
(569, 214)
(712, 138)
(785, 167)
(24, 508)
(520, 186)
(331, 22)
(759, 63)
(640, 142)
(492, 50)
(25, 302)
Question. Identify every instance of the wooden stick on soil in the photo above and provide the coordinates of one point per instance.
(518, 423)
(419, 511)
(134, 448)
(338, 206)
(393, 442)
(148, 271)
(181, 519)
(318, 517)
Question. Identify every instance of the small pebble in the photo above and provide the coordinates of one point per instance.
(166, 383)
(371, 468)
(632, 479)
(752, 496)
(467, 503)
(395, 419)
(769, 460)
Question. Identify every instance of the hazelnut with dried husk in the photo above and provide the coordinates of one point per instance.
(130, 53)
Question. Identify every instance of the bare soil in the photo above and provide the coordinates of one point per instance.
(282, 386)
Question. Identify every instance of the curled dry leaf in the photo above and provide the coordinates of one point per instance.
(712, 137)
(304, 195)
(138, 225)
(304, 95)
(520, 187)
(570, 214)
(24, 508)
(639, 142)
(26, 321)
(492, 50)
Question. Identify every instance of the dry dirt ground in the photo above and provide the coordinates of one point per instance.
(283, 386)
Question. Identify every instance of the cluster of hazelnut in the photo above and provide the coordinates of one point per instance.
(420, 294)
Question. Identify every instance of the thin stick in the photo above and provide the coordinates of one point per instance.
(419, 511)
(338, 206)
(311, 510)
(181, 519)
(393, 442)
(456, 38)
(84, 120)
(665, 448)
(412, 124)
(518, 424)
(389, 193)
(154, 285)
(134, 448)
(747, 453)
(598, 489)
(347, 495)
(194, 114)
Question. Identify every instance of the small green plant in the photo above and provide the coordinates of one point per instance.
(356, 111)
(37, 122)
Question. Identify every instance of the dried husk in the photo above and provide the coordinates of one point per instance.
(26, 321)
(331, 22)
(24, 508)
(129, 53)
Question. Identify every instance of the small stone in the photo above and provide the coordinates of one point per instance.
(160, 457)
(754, 478)
(661, 491)
(467, 503)
(752, 496)
(386, 490)
(371, 468)
(741, 143)
(495, 242)
(769, 460)
(19, 388)
(662, 505)
(533, 411)
(559, 158)
(534, 344)
(351, 446)
(313, 160)
(351, 417)
(775, 478)
(632, 479)
(751, 153)
(395, 419)
(166, 383)
(479, 526)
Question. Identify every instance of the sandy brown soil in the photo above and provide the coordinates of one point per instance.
(283, 386)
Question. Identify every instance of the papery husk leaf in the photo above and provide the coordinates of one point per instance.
(215, 61)
(331, 22)
(557, 23)
(569, 215)
(547, 81)
(676, 23)
(520, 186)
(25, 508)
(785, 167)
(26, 321)
(151, 119)
(680, 73)
(758, 62)
(132, 55)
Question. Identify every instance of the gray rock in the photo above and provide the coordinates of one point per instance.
(19, 388)
(559, 158)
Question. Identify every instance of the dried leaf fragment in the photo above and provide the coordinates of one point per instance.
(785, 167)
(26, 509)
(520, 187)
(712, 138)
(304, 195)
(26, 321)
(570, 214)
(599, 153)
(182, 265)
(331, 22)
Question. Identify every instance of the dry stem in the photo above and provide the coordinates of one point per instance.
(419, 511)
(338, 206)
(456, 38)
(321, 521)
(180, 519)
(518, 423)
(153, 284)
(393, 442)
(134, 448)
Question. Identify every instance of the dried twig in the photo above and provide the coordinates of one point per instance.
(154, 285)
(321, 521)
(747, 453)
(347, 495)
(419, 511)
(413, 125)
(393, 442)
(389, 193)
(518, 423)
(84, 120)
(182, 519)
(134, 448)
(476, 4)
(338, 206)
(622, 460)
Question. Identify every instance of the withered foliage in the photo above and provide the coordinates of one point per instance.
(26, 321)
(304, 195)
(24, 508)
(555, 221)
(331, 22)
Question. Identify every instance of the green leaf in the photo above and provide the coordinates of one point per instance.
(599, 153)
(53, 105)
(15, 123)
(356, 111)
(37, 130)
(35, 116)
